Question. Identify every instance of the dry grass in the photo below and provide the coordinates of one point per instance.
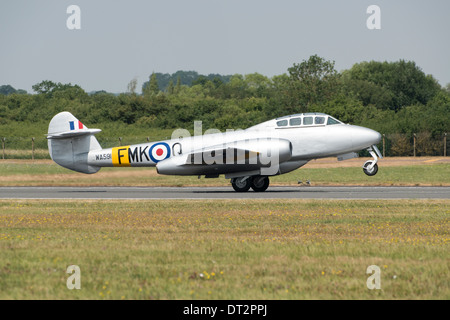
(274, 249)
(398, 171)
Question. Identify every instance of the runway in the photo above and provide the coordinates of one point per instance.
(289, 192)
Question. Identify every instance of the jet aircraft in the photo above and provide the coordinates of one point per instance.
(247, 157)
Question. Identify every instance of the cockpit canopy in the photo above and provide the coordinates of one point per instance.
(300, 120)
(306, 119)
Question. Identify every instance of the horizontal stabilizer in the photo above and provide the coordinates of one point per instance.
(70, 134)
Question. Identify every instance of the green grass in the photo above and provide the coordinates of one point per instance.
(18, 134)
(48, 173)
(436, 175)
(280, 249)
(39, 154)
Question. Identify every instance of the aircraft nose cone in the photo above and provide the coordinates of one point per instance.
(364, 137)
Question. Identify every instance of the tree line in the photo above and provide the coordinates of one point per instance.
(394, 98)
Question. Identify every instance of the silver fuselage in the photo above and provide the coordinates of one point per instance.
(294, 146)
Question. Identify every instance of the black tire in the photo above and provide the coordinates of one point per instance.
(241, 186)
(374, 169)
(259, 183)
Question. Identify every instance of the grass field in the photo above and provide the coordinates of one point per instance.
(189, 249)
(226, 249)
(425, 171)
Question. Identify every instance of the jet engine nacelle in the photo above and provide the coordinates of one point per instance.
(237, 156)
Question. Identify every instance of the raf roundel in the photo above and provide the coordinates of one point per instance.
(159, 151)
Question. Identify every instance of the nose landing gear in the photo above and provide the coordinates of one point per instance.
(370, 167)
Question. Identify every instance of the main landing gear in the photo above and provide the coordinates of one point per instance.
(257, 183)
(370, 167)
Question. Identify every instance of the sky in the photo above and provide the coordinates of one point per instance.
(122, 40)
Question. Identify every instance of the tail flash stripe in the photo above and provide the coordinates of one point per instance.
(72, 125)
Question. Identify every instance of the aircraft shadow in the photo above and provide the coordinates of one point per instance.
(82, 191)
(250, 192)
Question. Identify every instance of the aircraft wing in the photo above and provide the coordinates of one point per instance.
(235, 156)
(222, 155)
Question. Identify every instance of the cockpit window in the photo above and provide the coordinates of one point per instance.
(295, 121)
(319, 120)
(332, 121)
(307, 120)
(282, 123)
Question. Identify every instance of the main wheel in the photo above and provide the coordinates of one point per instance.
(370, 172)
(259, 183)
(241, 185)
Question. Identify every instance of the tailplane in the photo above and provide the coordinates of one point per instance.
(69, 143)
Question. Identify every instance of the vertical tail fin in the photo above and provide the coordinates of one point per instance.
(69, 143)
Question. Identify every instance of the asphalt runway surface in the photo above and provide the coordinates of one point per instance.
(274, 192)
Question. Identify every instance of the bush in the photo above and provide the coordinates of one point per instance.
(400, 145)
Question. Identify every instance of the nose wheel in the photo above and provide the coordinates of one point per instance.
(371, 167)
